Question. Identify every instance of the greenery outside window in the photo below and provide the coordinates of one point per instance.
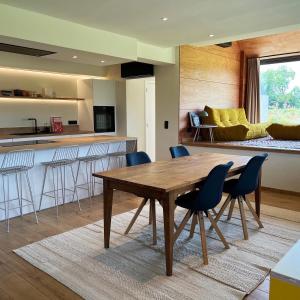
(280, 90)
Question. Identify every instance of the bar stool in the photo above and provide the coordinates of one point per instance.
(63, 159)
(97, 153)
(16, 164)
(117, 152)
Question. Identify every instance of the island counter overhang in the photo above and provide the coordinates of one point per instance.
(44, 153)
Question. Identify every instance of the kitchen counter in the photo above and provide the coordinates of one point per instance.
(67, 141)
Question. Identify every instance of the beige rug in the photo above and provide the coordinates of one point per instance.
(134, 269)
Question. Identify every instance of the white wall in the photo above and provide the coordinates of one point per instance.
(135, 108)
(280, 171)
(167, 107)
(13, 112)
(121, 113)
(85, 108)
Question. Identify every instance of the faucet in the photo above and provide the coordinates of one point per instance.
(35, 124)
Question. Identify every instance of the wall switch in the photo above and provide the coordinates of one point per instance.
(166, 124)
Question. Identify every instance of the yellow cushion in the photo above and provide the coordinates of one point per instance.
(233, 124)
(284, 132)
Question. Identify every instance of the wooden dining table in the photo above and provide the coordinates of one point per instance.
(164, 181)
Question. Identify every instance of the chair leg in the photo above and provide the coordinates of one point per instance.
(214, 211)
(150, 214)
(221, 211)
(253, 213)
(136, 215)
(243, 218)
(193, 225)
(231, 209)
(203, 237)
(217, 229)
(152, 204)
(182, 225)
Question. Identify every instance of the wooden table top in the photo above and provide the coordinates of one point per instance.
(67, 142)
(165, 176)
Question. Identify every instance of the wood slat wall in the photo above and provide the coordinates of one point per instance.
(208, 76)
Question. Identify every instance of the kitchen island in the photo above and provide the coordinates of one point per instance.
(44, 147)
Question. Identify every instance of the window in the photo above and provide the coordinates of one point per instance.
(280, 90)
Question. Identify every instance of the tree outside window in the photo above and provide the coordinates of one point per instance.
(280, 92)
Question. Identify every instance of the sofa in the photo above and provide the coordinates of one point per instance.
(284, 132)
(233, 125)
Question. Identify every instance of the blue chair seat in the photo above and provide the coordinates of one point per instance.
(229, 186)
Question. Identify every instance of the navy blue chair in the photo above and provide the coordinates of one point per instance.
(238, 188)
(179, 151)
(134, 159)
(204, 200)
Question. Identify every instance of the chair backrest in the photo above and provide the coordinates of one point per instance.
(248, 179)
(18, 159)
(98, 149)
(179, 151)
(194, 119)
(211, 191)
(66, 153)
(137, 158)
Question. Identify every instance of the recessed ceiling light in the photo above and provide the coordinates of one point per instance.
(75, 56)
(164, 19)
(102, 61)
(211, 35)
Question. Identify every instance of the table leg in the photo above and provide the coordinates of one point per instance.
(168, 211)
(107, 207)
(258, 196)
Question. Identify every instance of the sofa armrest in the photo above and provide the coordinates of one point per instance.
(231, 133)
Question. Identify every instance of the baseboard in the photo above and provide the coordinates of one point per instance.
(264, 188)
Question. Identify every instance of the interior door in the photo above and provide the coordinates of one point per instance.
(150, 118)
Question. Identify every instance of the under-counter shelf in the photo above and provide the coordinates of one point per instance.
(41, 98)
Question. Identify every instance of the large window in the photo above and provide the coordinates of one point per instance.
(280, 91)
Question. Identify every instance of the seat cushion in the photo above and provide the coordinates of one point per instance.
(187, 200)
(229, 186)
(233, 125)
(284, 132)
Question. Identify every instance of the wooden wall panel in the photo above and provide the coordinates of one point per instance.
(282, 43)
(208, 76)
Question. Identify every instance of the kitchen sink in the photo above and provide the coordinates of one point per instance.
(24, 143)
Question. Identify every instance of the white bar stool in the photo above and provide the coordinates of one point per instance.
(63, 159)
(16, 164)
(97, 153)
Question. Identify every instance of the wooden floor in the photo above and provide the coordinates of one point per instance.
(20, 280)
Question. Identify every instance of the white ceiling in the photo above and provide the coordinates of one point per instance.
(190, 21)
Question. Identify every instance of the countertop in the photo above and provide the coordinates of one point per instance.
(60, 142)
(17, 136)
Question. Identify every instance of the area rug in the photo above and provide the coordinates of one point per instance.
(267, 142)
(132, 268)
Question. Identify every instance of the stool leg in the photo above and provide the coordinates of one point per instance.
(75, 179)
(7, 201)
(87, 180)
(18, 192)
(60, 169)
(54, 191)
(31, 196)
(43, 186)
(75, 188)
(4, 199)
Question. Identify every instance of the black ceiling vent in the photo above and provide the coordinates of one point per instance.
(136, 70)
(24, 50)
(225, 45)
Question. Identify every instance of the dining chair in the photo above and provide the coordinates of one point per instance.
(202, 201)
(238, 188)
(134, 159)
(179, 151)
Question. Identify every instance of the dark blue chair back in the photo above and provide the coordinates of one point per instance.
(248, 180)
(179, 151)
(211, 191)
(137, 158)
